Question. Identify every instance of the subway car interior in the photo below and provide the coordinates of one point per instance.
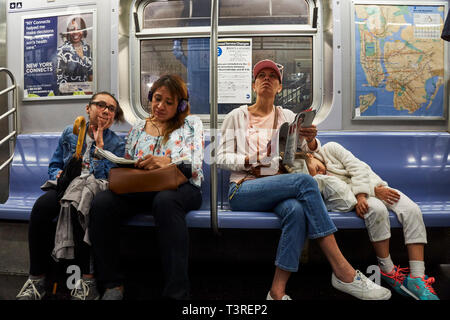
(375, 72)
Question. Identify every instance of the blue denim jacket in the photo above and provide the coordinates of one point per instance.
(66, 149)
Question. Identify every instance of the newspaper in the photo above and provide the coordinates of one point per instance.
(119, 160)
(112, 157)
(287, 137)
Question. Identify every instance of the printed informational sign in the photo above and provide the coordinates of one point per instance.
(234, 65)
(58, 56)
(399, 69)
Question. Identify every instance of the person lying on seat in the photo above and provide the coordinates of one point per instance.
(348, 183)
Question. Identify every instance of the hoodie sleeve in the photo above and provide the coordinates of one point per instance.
(337, 194)
(56, 163)
(358, 171)
(232, 140)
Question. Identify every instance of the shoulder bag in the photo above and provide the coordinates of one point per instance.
(131, 180)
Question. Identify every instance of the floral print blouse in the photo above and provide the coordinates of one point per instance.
(186, 141)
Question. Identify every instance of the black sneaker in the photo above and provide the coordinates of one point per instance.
(113, 294)
(85, 289)
(32, 290)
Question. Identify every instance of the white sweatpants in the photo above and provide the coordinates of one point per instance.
(408, 213)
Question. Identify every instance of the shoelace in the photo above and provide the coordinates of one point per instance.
(29, 289)
(428, 283)
(399, 274)
(81, 290)
(366, 283)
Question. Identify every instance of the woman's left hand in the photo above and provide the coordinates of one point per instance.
(309, 133)
(150, 162)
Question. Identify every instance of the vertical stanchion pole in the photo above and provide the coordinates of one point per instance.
(213, 112)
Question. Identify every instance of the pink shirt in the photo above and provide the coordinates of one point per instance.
(259, 134)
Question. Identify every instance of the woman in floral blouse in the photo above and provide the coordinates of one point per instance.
(167, 135)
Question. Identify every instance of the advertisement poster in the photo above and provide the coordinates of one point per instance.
(399, 67)
(59, 56)
(234, 65)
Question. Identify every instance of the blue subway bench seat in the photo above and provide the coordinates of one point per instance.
(417, 163)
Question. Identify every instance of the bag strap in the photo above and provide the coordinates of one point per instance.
(275, 119)
(239, 183)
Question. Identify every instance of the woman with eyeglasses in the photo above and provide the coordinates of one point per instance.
(103, 110)
(255, 185)
(169, 134)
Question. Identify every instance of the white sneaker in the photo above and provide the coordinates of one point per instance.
(285, 297)
(361, 288)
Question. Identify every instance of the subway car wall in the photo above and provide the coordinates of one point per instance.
(113, 25)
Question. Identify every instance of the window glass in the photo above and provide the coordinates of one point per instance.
(190, 59)
(183, 13)
(251, 12)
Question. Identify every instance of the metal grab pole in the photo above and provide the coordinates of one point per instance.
(11, 137)
(213, 112)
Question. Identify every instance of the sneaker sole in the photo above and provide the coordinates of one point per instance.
(409, 292)
(387, 296)
(403, 290)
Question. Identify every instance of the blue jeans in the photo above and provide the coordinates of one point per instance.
(296, 199)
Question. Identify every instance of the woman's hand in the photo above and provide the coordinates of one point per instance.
(58, 174)
(98, 132)
(387, 194)
(362, 207)
(150, 162)
(309, 133)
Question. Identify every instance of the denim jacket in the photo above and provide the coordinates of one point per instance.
(66, 149)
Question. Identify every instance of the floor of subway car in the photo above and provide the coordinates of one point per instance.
(238, 266)
(230, 282)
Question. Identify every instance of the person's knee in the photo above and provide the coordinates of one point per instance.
(412, 215)
(46, 207)
(377, 210)
(305, 181)
(167, 207)
(415, 211)
(101, 206)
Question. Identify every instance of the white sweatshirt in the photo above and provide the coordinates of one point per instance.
(343, 164)
(233, 145)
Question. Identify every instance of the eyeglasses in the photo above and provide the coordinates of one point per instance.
(102, 105)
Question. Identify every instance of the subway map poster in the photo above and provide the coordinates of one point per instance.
(399, 62)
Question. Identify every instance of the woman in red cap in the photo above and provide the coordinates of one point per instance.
(295, 198)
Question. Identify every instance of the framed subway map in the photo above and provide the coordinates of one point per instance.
(399, 64)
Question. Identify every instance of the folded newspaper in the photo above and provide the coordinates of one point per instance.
(287, 137)
(112, 157)
(120, 160)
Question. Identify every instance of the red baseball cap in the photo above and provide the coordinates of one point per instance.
(278, 68)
